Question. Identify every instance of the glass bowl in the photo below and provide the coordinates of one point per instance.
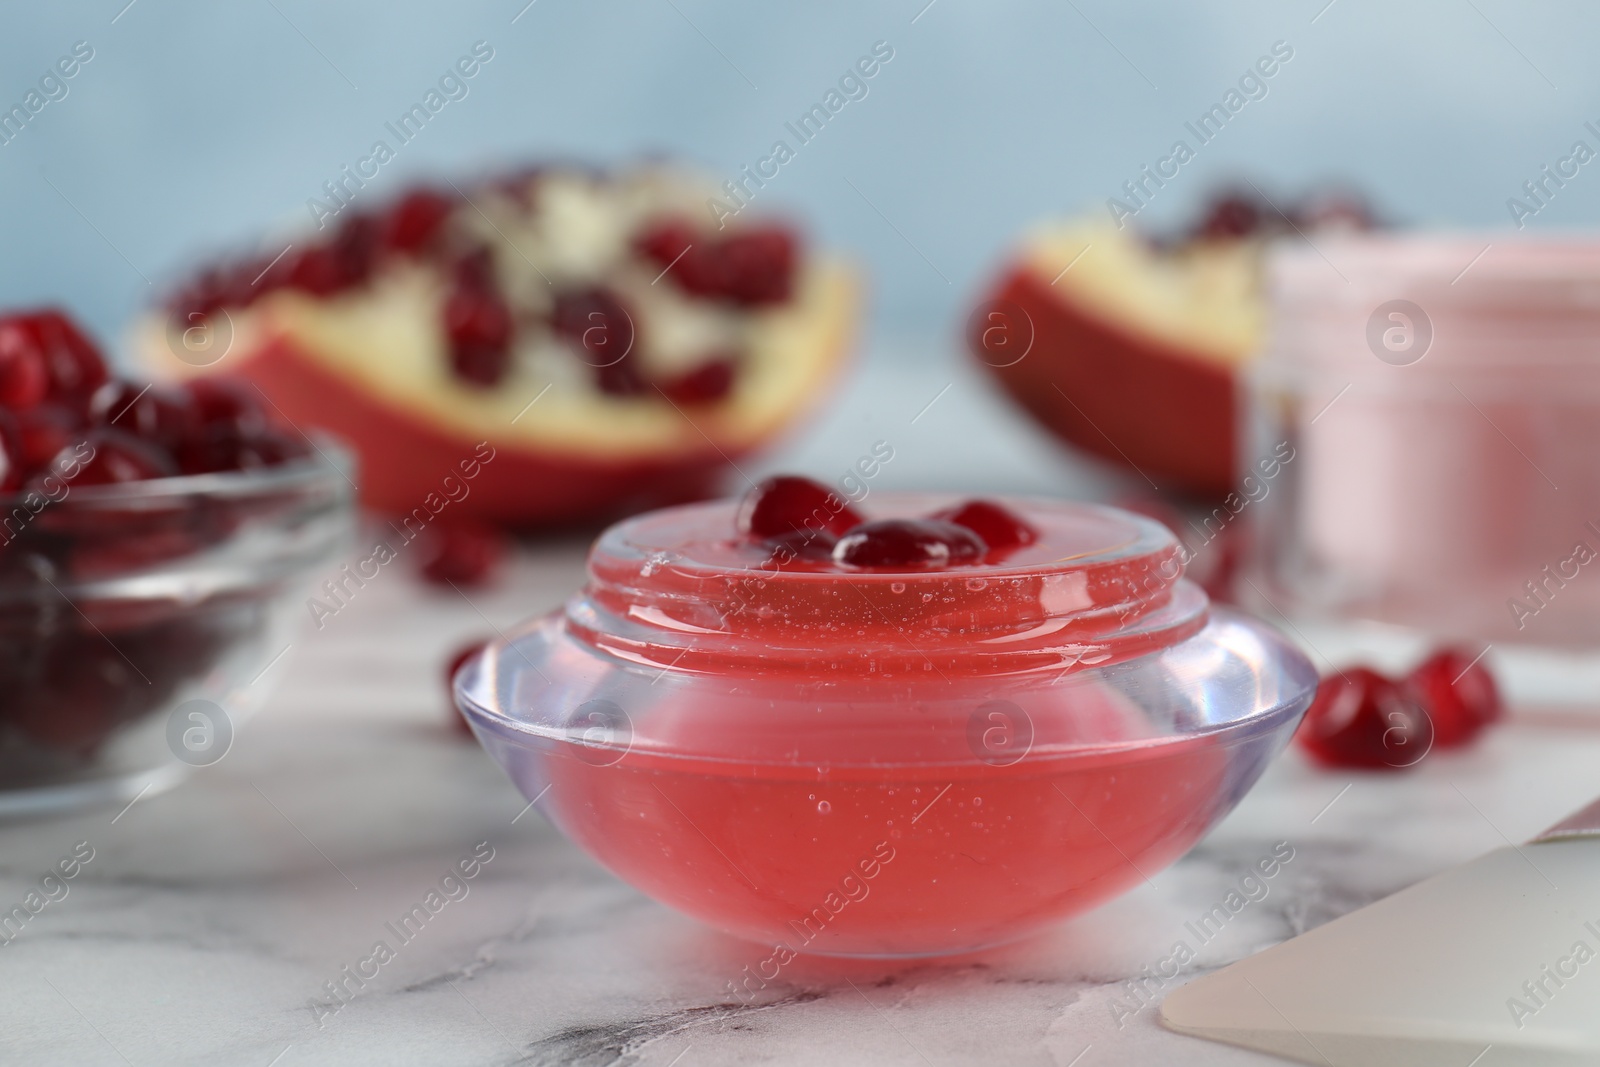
(886, 763)
(136, 621)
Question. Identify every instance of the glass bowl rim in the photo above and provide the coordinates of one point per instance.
(331, 457)
(1231, 731)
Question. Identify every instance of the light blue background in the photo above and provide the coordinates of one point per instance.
(205, 125)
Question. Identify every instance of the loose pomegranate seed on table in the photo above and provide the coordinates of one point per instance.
(1459, 693)
(460, 553)
(1360, 718)
(786, 504)
(912, 544)
(453, 665)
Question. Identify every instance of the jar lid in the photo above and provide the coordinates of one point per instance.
(1437, 304)
(680, 589)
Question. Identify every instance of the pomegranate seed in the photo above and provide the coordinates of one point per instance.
(697, 264)
(343, 262)
(598, 327)
(229, 430)
(1360, 718)
(751, 267)
(478, 327)
(1001, 531)
(227, 404)
(118, 458)
(13, 454)
(1230, 217)
(522, 184)
(211, 453)
(621, 379)
(24, 379)
(164, 417)
(758, 266)
(317, 271)
(43, 432)
(596, 322)
(708, 382)
(662, 241)
(702, 270)
(416, 220)
(236, 286)
(356, 244)
(67, 688)
(69, 717)
(457, 661)
(909, 544)
(72, 362)
(474, 269)
(1459, 694)
(248, 282)
(201, 296)
(461, 553)
(786, 504)
(1337, 209)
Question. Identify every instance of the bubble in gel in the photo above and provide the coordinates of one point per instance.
(897, 587)
(823, 807)
(976, 584)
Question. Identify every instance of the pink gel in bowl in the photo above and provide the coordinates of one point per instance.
(886, 763)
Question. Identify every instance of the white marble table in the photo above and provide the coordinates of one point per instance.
(210, 917)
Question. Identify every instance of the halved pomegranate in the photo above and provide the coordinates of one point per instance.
(537, 333)
(1132, 348)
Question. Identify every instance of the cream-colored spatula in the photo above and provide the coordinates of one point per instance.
(1495, 963)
